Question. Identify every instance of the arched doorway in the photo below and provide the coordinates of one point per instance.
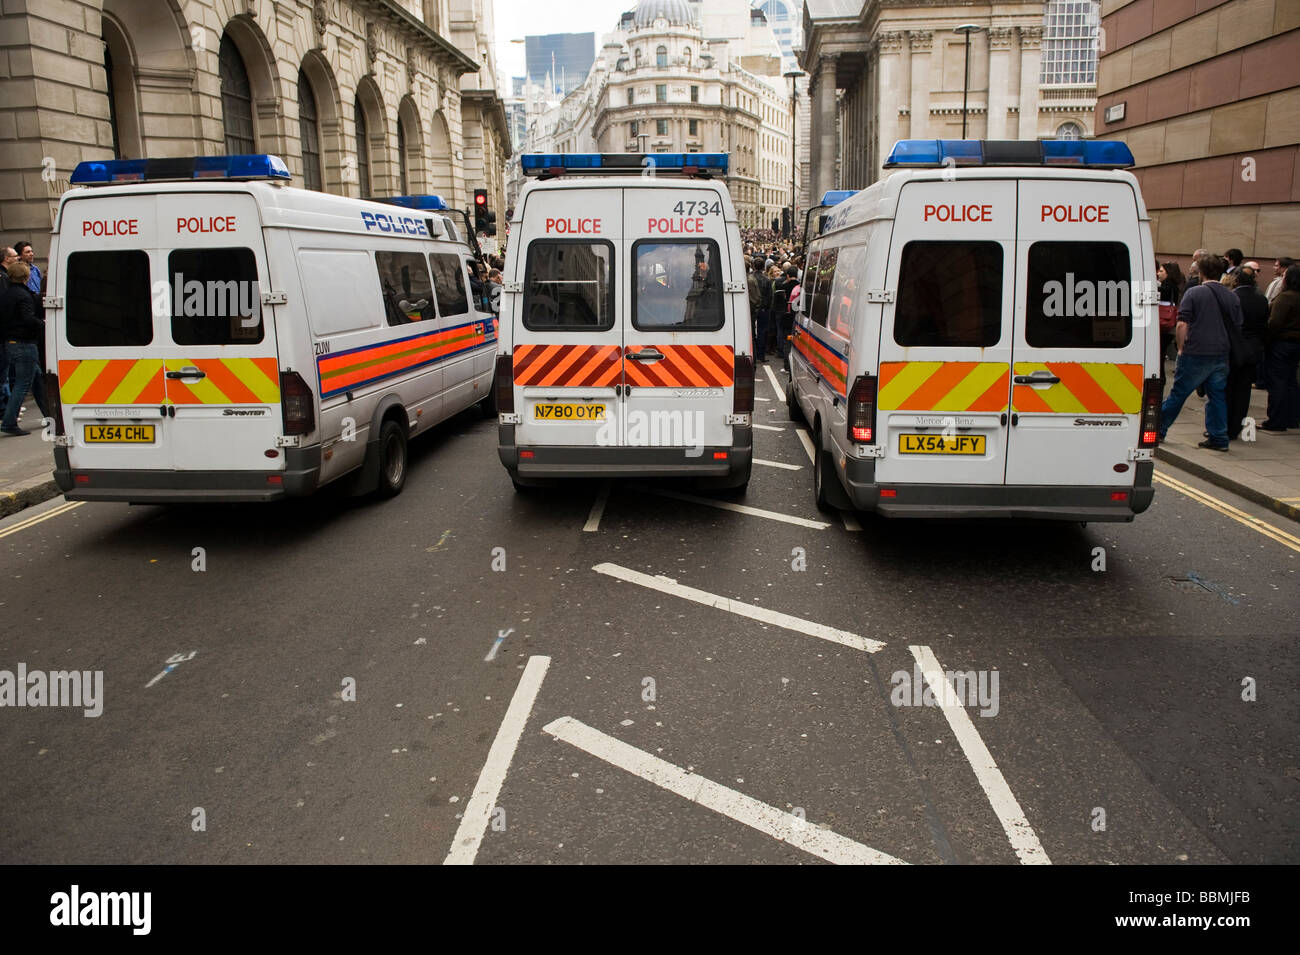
(123, 97)
(236, 99)
(375, 176)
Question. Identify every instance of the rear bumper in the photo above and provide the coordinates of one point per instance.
(301, 476)
(1056, 502)
(587, 461)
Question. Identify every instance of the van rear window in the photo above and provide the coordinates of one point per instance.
(1078, 295)
(216, 299)
(678, 285)
(568, 286)
(108, 299)
(949, 295)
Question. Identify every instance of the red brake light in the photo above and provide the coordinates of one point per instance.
(504, 383)
(1152, 398)
(888, 492)
(1119, 495)
(743, 390)
(862, 410)
(296, 404)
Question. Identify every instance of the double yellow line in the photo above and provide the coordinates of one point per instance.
(52, 512)
(1241, 517)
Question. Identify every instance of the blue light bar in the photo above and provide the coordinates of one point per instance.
(106, 172)
(1087, 153)
(432, 203)
(835, 196)
(686, 164)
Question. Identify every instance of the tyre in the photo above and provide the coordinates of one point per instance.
(821, 491)
(792, 402)
(392, 459)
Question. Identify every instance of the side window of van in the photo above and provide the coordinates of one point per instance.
(1078, 295)
(407, 290)
(677, 285)
(821, 292)
(215, 297)
(108, 299)
(949, 294)
(569, 286)
(340, 288)
(844, 291)
(449, 284)
(806, 282)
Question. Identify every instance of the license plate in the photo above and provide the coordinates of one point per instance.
(938, 444)
(119, 434)
(583, 412)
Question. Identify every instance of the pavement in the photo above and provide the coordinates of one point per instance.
(26, 465)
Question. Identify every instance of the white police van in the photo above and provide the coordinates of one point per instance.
(625, 344)
(977, 336)
(214, 335)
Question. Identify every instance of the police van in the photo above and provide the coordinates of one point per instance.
(215, 335)
(977, 336)
(625, 345)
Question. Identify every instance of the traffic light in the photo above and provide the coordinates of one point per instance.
(480, 210)
(785, 221)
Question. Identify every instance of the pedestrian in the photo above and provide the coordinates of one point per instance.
(755, 295)
(1203, 350)
(8, 256)
(1234, 258)
(1284, 355)
(1254, 324)
(1193, 274)
(1280, 265)
(20, 329)
(494, 290)
(1171, 293)
(785, 317)
(762, 319)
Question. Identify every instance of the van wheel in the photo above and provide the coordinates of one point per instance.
(821, 492)
(392, 459)
(792, 402)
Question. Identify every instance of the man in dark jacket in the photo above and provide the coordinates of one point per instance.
(1254, 323)
(7, 258)
(1203, 347)
(20, 330)
(1284, 355)
(785, 316)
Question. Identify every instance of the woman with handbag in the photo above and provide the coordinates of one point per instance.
(1171, 292)
(1254, 324)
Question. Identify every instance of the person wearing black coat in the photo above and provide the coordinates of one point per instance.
(1254, 312)
(20, 330)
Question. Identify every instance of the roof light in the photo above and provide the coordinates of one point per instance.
(106, 172)
(835, 196)
(684, 164)
(1089, 153)
(434, 203)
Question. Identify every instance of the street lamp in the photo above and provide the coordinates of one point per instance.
(793, 77)
(967, 29)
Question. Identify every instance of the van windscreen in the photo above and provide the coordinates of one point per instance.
(1078, 295)
(678, 285)
(215, 297)
(949, 294)
(567, 286)
(108, 299)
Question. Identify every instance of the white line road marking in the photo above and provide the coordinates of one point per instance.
(767, 427)
(806, 441)
(780, 392)
(53, 512)
(850, 521)
(597, 509)
(1023, 838)
(782, 826)
(762, 399)
(779, 464)
(667, 585)
(464, 848)
(738, 508)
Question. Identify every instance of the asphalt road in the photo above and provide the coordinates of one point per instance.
(1118, 732)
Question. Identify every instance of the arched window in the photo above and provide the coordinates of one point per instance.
(661, 56)
(401, 157)
(236, 99)
(637, 56)
(112, 102)
(1069, 131)
(363, 150)
(686, 54)
(310, 133)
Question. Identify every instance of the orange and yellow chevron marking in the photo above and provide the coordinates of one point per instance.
(1086, 387)
(226, 381)
(683, 366)
(944, 386)
(112, 381)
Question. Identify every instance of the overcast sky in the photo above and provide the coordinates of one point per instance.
(516, 19)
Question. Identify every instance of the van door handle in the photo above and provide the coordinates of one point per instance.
(1037, 378)
(187, 373)
(647, 354)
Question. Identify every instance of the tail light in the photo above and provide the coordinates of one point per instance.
(1152, 395)
(743, 390)
(53, 400)
(862, 410)
(296, 404)
(504, 382)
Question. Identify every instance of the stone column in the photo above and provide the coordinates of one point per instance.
(1031, 43)
(888, 92)
(920, 42)
(824, 132)
(1000, 40)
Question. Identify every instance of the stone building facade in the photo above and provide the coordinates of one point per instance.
(359, 97)
(1207, 95)
(884, 70)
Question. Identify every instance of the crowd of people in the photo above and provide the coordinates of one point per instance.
(772, 267)
(1231, 336)
(22, 334)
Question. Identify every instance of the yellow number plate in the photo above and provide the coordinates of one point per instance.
(938, 444)
(119, 434)
(582, 412)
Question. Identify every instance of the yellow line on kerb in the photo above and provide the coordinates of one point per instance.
(1241, 517)
(53, 512)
